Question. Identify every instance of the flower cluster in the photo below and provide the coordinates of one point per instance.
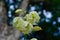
(25, 24)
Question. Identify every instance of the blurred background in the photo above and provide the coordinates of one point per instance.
(49, 11)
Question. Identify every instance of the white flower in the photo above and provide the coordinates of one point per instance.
(33, 39)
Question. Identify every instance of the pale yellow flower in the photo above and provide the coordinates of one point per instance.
(33, 39)
(28, 28)
(18, 23)
(32, 17)
(29, 18)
